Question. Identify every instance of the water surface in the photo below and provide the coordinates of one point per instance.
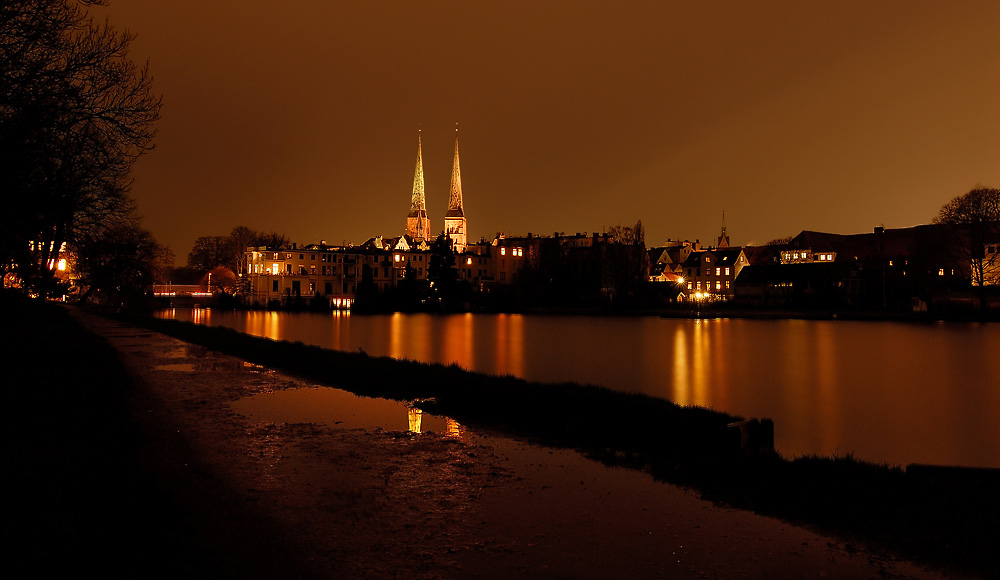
(884, 391)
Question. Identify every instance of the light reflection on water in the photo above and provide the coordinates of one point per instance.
(892, 392)
(336, 407)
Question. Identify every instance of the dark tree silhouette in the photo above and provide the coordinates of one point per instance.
(209, 252)
(119, 265)
(240, 239)
(229, 251)
(75, 114)
(975, 222)
(442, 273)
(624, 261)
(272, 240)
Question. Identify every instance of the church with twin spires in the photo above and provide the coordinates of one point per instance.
(418, 225)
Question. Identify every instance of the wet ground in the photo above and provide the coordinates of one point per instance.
(345, 487)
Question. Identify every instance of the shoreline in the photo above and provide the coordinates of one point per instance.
(693, 313)
(190, 417)
(931, 519)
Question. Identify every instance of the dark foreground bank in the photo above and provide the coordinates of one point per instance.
(88, 498)
(94, 488)
(943, 518)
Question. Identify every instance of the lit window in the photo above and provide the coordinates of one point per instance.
(274, 269)
(468, 261)
(727, 273)
(718, 285)
(698, 286)
(62, 264)
(718, 271)
(941, 272)
(727, 284)
(397, 257)
(503, 251)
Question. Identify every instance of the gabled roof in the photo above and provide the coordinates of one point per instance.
(727, 255)
(759, 255)
(719, 255)
(694, 259)
(877, 245)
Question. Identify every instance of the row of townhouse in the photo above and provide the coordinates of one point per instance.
(333, 273)
(701, 273)
(886, 268)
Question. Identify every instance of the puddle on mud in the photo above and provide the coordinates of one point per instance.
(330, 406)
(205, 360)
(210, 365)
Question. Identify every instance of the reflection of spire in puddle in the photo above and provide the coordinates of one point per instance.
(414, 417)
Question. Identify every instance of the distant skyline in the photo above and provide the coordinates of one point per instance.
(574, 116)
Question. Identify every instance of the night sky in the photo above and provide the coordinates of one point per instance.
(302, 117)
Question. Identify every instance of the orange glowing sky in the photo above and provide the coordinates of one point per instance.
(302, 117)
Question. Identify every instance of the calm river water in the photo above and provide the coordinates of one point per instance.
(891, 392)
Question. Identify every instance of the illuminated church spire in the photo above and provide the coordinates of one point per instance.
(454, 219)
(418, 226)
(723, 238)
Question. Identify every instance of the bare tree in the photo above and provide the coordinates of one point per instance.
(624, 261)
(975, 220)
(209, 252)
(119, 264)
(240, 239)
(272, 240)
(75, 114)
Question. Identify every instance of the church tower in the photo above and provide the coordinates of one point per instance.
(724, 237)
(418, 226)
(454, 219)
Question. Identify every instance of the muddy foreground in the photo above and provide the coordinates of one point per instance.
(235, 470)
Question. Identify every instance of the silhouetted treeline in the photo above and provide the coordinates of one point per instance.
(75, 114)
